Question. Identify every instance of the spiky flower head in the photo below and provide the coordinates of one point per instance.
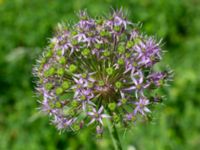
(96, 69)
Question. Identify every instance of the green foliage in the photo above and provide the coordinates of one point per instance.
(25, 27)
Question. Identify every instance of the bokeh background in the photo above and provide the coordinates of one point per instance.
(25, 26)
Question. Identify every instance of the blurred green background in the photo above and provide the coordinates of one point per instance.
(25, 26)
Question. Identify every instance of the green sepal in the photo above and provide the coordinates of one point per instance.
(101, 83)
(118, 84)
(121, 49)
(112, 106)
(129, 44)
(59, 91)
(48, 54)
(60, 71)
(65, 85)
(72, 68)
(120, 61)
(106, 53)
(48, 86)
(62, 60)
(58, 105)
(110, 71)
(85, 52)
(59, 52)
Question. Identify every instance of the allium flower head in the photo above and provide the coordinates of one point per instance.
(99, 69)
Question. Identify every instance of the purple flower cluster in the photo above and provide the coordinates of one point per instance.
(99, 69)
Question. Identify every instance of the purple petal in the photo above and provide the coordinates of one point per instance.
(130, 88)
(92, 121)
(100, 110)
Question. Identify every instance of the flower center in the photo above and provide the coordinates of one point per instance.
(138, 86)
(142, 106)
(106, 90)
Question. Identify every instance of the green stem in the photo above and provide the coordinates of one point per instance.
(114, 136)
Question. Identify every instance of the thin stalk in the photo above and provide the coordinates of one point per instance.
(114, 136)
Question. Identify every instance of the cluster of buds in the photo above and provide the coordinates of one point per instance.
(99, 69)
